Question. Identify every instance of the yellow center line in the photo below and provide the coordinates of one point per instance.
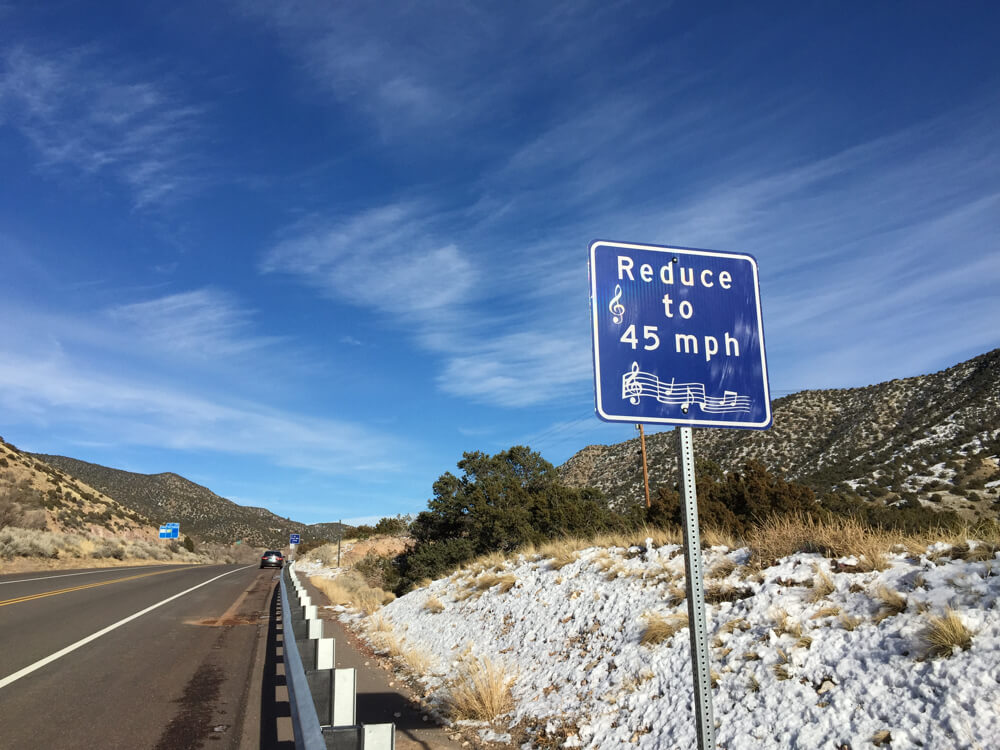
(30, 597)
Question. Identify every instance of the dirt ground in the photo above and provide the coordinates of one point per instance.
(36, 564)
(383, 546)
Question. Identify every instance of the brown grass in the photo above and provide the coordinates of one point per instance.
(434, 605)
(721, 569)
(946, 633)
(849, 623)
(893, 603)
(481, 691)
(781, 536)
(823, 585)
(350, 590)
(660, 628)
(488, 580)
(560, 552)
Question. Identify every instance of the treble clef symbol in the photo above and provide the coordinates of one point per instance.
(631, 389)
(616, 307)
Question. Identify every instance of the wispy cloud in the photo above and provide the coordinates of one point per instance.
(518, 369)
(203, 323)
(135, 412)
(386, 258)
(82, 112)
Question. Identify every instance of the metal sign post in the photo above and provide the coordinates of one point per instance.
(697, 621)
(678, 339)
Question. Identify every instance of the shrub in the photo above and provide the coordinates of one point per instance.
(480, 692)
(732, 503)
(109, 548)
(16, 542)
(378, 572)
(659, 628)
(432, 559)
(391, 526)
(946, 633)
(10, 513)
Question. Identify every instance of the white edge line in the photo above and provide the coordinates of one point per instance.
(84, 573)
(104, 631)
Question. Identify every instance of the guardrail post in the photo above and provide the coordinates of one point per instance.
(325, 651)
(379, 737)
(345, 694)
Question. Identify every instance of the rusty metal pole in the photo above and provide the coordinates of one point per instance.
(645, 471)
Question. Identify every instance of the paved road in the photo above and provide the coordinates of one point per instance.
(184, 672)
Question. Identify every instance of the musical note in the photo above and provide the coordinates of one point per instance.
(630, 388)
(637, 385)
(616, 307)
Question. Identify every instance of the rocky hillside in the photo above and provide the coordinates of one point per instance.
(37, 495)
(200, 512)
(932, 439)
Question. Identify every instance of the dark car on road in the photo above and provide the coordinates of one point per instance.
(272, 559)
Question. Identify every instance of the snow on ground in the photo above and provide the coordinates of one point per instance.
(795, 666)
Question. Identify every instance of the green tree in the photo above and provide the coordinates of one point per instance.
(189, 544)
(499, 503)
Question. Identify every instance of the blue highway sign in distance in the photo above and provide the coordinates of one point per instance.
(678, 337)
(293, 538)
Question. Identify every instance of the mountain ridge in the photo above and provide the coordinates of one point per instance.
(169, 497)
(928, 439)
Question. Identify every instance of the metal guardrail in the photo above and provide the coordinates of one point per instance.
(322, 698)
(305, 721)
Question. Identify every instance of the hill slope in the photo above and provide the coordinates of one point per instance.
(200, 512)
(932, 439)
(34, 494)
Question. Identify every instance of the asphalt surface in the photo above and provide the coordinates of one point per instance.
(186, 674)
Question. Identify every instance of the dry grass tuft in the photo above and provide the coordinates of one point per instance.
(781, 536)
(882, 737)
(480, 692)
(849, 623)
(946, 633)
(831, 611)
(712, 537)
(676, 594)
(719, 592)
(562, 552)
(721, 569)
(416, 661)
(350, 590)
(893, 603)
(488, 580)
(378, 624)
(823, 585)
(660, 628)
(434, 605)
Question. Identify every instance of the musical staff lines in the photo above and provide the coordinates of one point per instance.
(637, 385)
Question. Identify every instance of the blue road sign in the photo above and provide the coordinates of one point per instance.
(293, 538)
(172, 525)
(165, 532)
(678, 337)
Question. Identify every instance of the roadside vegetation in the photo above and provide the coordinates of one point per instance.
(782, 564)
(513, 500)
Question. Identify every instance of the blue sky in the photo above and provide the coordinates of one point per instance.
(308, 253)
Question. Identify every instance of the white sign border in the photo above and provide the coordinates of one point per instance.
(768, 420)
